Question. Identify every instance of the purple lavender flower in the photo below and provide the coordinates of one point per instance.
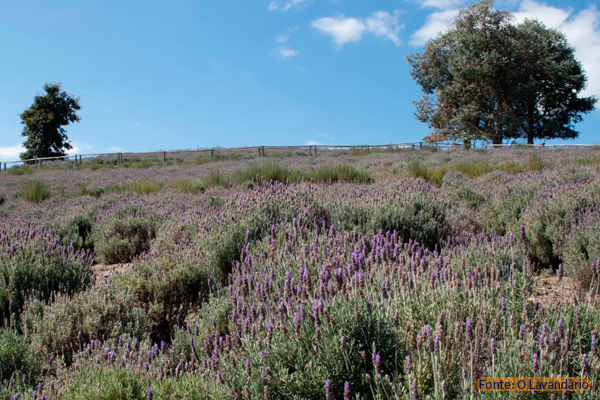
(536, 363)
(585, 365)
(149, 394)
(346, 390)
(415, 392)
(343, 343)
(327, 389)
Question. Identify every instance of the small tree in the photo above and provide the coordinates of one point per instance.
(44, 121)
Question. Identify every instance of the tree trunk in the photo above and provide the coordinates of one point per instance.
(530, 130)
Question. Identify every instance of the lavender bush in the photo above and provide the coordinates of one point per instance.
(408, 276)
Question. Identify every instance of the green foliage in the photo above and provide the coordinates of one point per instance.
(339, 173)
(122, 239)
(582, 253)
(83, 190)
(15, 355)
(189, 186)
(215, 178)
(38, 268)
(35, 190)
(70, 322)
(433, 175)
(21, 170)
(473, 169)
(78, 229)
(114, 384)
(44, 121)
(486, 78)
(144, 187)
(547, 223)
(502, 214)
(415, 218)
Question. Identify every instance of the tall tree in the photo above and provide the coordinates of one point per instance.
(547, 83)
(44, 123)
(489, 79)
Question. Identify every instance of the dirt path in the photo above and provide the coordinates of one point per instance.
(103, 273)
(549, 290)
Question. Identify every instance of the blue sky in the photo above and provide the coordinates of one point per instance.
(158, 74)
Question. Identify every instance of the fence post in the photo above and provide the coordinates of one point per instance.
(212, 153)
(164, 156)
(420, 145)
(315, 150)
(80, 159)
(263, 151)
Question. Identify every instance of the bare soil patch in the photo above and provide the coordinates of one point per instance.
(102, 274)
(550, 291)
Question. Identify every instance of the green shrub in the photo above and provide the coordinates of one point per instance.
(350, 216)
(79, 229)
(120, 240)
(189, 186)
(34, 263)
(144, 187)
(547, 224)
(433, 175)
(66, 325)
(83, 190)
(415, 218)
(15, 355)
(21, 170)
(112, 384)
(339, 173)
(168, 290)
(473, 169)
(215, 178)
(503, 212)
(534, 163)
(35, 191)
(582, 253)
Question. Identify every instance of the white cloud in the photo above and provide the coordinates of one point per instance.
(440, 4)
(11, 153)
(382, 23)
(80, 148)
(582, 30)
(286, 52)
(435, 23)
(343, 30)
(137, 124)
(312, 143)
(286, 5)
(115, 149)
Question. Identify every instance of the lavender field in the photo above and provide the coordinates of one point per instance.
(390, 275)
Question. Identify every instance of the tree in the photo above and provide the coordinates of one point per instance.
(484, 80)
(548, 84)
(44, 121)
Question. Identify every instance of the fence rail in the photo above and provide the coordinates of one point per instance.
(262, 151)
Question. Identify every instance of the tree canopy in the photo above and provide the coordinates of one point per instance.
(487, 78)
(44, 123)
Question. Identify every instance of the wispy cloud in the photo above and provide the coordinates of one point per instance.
(279, 5)
(137, 124)
(286, 52)
(343, 30)
(11, 153)
(435, 23)
(440, 4)
(313, 143)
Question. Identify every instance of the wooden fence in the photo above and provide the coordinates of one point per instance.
(260, 151)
